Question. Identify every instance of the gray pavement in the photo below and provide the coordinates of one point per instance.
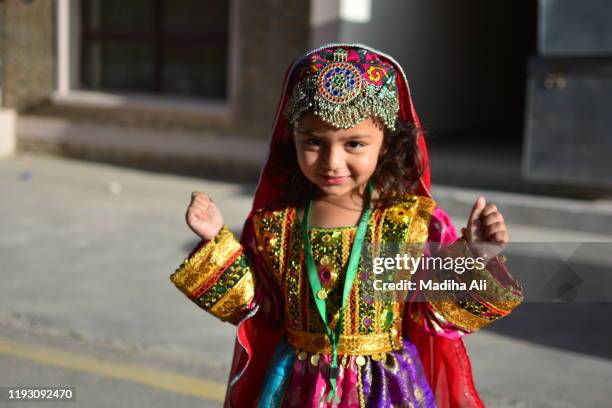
(112, 378)
(85, 254)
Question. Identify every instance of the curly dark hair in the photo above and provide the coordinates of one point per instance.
(398, 171)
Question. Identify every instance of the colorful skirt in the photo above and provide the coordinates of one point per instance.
(394, 379)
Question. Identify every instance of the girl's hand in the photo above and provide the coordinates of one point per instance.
(203, 216)
(486, 230)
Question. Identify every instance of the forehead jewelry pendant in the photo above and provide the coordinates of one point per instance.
(339, 81)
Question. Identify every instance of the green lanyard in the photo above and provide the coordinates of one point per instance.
(317, 289)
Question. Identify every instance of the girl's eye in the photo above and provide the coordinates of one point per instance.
(354, 144)
(312, 142)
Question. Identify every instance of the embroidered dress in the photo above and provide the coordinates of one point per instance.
(391, 353)
(379, 366)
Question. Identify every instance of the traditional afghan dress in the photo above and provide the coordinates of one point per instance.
(390, 353)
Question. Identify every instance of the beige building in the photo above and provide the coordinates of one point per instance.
(187, 85)
(178, 84)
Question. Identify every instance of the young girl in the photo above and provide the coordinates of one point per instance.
(347, 172)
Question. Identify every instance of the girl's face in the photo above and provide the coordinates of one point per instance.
(338, 161)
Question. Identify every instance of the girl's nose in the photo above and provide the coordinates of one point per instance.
(334, 159)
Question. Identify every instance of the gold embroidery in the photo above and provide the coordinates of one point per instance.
(503, 307)
(360, 388)
(352, 344)
(198, 269)
(501, 300)
(236, 299)
(405, 227)
(456, 315)
(419, 230)
(280, 231)
(269, 227)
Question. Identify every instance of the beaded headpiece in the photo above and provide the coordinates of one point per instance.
(343, 87)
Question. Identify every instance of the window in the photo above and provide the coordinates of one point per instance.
(163, 47)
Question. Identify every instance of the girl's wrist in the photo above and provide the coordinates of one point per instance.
(206, 238)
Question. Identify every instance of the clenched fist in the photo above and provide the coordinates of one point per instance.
(486, 230)
(203, 216)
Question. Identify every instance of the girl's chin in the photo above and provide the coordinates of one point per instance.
(337, 190)
(330, 188)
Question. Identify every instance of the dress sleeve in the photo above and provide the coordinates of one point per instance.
(451, 316)
(219, 276)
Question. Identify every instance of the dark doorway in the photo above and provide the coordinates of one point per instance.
(484, 151)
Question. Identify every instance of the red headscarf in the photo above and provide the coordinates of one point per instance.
(445, 361)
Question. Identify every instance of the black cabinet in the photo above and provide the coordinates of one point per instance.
(569, 121)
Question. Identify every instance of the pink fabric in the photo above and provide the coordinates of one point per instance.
(441, 228)
(309, 386)
(441, 231)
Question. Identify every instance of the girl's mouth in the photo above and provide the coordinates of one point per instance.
(334, 181)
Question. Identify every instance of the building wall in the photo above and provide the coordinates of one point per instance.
(28, 50)
(270, 34)
(266, 36)
(275, 32)
(465, 61)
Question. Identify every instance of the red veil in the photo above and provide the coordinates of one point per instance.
(445, 360)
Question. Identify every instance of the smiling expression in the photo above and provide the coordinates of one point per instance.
(338, 161)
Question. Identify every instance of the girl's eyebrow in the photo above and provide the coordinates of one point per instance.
(358, 136)
(349, 137)
(304, 132)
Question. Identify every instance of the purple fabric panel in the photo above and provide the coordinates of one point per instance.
(397, 380)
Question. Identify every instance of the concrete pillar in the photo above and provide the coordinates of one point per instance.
(8, 137)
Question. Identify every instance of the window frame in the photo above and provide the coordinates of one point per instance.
(68, 73)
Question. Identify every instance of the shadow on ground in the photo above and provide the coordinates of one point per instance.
(577, 327)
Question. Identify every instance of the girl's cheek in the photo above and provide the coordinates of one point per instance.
(311, 158)
(368, 164)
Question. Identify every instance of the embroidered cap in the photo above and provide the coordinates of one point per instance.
(344, 86)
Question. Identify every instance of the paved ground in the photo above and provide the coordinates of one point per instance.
(85, 254)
